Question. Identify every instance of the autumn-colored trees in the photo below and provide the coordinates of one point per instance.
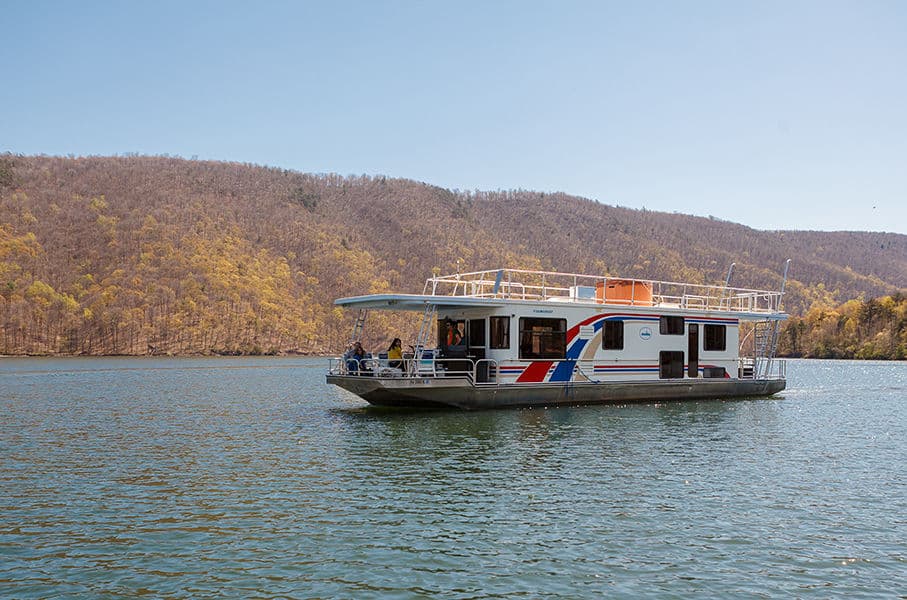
(141, 255)
(869, 329)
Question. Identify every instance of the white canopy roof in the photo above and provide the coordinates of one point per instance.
(415, 302)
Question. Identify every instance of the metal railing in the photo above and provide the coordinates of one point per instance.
(761, 368)
(517, 284)
(482, 371)
(485, 371)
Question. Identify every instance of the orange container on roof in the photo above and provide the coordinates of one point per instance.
(624, 291)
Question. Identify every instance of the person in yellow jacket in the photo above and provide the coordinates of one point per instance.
(395, 354)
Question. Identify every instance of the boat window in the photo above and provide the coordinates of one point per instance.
(670, 325)
(500, 332)
(477, 333)
(715, 337)
(714, 372)
(670, 365)
(543, 338)
(613, 335)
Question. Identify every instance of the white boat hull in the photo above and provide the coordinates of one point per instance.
(459, 392)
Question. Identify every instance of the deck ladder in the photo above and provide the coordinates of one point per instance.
(766, 334)
(358, 326)
(765, 343)
(428, 320)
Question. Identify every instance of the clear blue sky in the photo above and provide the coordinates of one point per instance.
(783, 114)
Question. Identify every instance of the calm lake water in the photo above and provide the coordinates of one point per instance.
(247, 477)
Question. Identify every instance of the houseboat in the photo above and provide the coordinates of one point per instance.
(511, 338)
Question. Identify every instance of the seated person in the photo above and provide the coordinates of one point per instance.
(395, 354)
(353, 358)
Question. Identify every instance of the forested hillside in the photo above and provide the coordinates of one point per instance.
(139, 255)
(872, 329)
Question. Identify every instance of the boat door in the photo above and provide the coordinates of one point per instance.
(476, 339)
(693, 351)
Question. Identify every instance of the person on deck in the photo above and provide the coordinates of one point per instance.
(353, 358)
(395, 354)
(454, 337)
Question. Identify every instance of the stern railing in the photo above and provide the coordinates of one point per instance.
(761, 368)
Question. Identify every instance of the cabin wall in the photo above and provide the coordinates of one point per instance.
(585, 359)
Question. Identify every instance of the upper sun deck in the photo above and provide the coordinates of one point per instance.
(573, 288)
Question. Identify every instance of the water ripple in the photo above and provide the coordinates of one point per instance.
(250, 478)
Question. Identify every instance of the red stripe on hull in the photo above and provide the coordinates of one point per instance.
(535, 372)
